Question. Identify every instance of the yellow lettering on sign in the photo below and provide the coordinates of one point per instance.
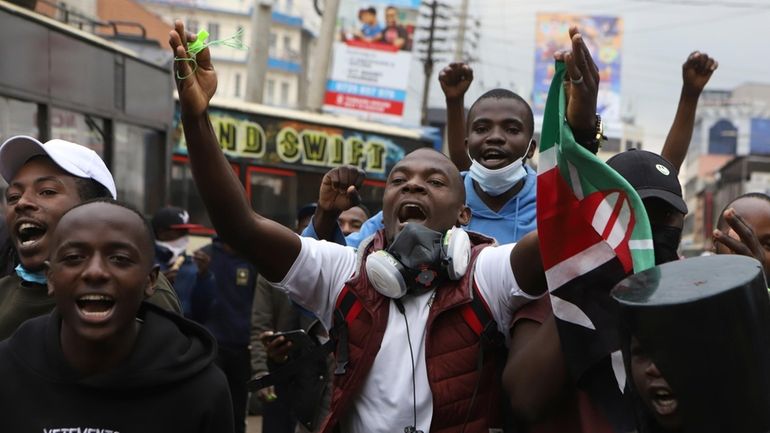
(241, 137)
(255, 140)
(355, 151)
(336, 150)
(287, 145)
(314, 147)
(227, 135)
(375, 157)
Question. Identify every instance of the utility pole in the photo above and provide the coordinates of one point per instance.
(323, 55)
(256, 68)
(460, 40)
(431, 50)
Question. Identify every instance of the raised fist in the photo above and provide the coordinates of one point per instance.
(455, 80)
(696, 71)
(339, 189)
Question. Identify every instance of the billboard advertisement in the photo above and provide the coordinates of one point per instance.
(372, 53)
(603, 35)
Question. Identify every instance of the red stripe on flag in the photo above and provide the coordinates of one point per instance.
(613, 217)
(562, 228)
(590, 204)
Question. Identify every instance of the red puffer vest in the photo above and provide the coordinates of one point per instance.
(452, 350)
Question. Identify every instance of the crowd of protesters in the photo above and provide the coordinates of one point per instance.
(446, 311)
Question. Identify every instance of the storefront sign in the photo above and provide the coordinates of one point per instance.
(271, 141)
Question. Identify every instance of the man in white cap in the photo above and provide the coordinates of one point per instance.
(44, 181)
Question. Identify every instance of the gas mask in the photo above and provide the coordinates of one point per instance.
(418, 259)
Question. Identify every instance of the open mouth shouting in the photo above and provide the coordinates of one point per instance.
(494, 157)
(411, 213)
(28, 234)
(95, 308)
(663, 400)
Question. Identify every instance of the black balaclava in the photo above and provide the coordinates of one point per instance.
(665, 242)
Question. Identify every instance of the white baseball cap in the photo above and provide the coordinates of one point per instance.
(75, 159)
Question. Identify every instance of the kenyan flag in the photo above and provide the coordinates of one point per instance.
(593, 232)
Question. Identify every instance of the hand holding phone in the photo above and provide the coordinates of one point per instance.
(279, 344)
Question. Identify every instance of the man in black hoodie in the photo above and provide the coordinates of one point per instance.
(104, 360)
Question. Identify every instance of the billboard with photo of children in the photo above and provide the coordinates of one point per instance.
(372, 54)
(603, 35)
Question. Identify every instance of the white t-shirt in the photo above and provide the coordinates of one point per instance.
(385, 403)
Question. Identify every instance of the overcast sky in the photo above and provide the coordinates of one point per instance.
(658, 36)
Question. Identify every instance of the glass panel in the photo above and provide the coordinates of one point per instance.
(270, 93)
(274, 196)
(78, 128)
(213, 31)
(18, 118)
(134, 178)
(284, 93)
(184, 194)
(723, 138)
(371, 197)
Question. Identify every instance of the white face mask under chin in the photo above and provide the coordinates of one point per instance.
(496, 182)
(177, 247)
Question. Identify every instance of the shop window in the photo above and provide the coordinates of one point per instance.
(760, 136)
(136, 167)
(18, 118)
(79, 128)
(184, 194)
(371, 195)
(192, 26)
(270, 92)
(284, 94)
(213, 31)
(273, 194)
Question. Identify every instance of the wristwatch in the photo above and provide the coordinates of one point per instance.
(599, 137)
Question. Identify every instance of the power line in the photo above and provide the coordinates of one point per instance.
(739, 5)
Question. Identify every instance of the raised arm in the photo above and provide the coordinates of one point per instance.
(696, 72)
(535, 375)
(270, 246)
(455, 80)
(338, 193)
(582, 92)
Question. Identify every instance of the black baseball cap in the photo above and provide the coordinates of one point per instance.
(650, 175)
(172, 218)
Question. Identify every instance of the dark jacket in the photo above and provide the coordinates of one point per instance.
(169, 382)
(451, 353)
(229, 316)
(195, 292)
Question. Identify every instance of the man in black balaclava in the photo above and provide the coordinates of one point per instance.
(655, 179)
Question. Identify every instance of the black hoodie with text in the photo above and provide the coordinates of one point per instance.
(169, 383)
